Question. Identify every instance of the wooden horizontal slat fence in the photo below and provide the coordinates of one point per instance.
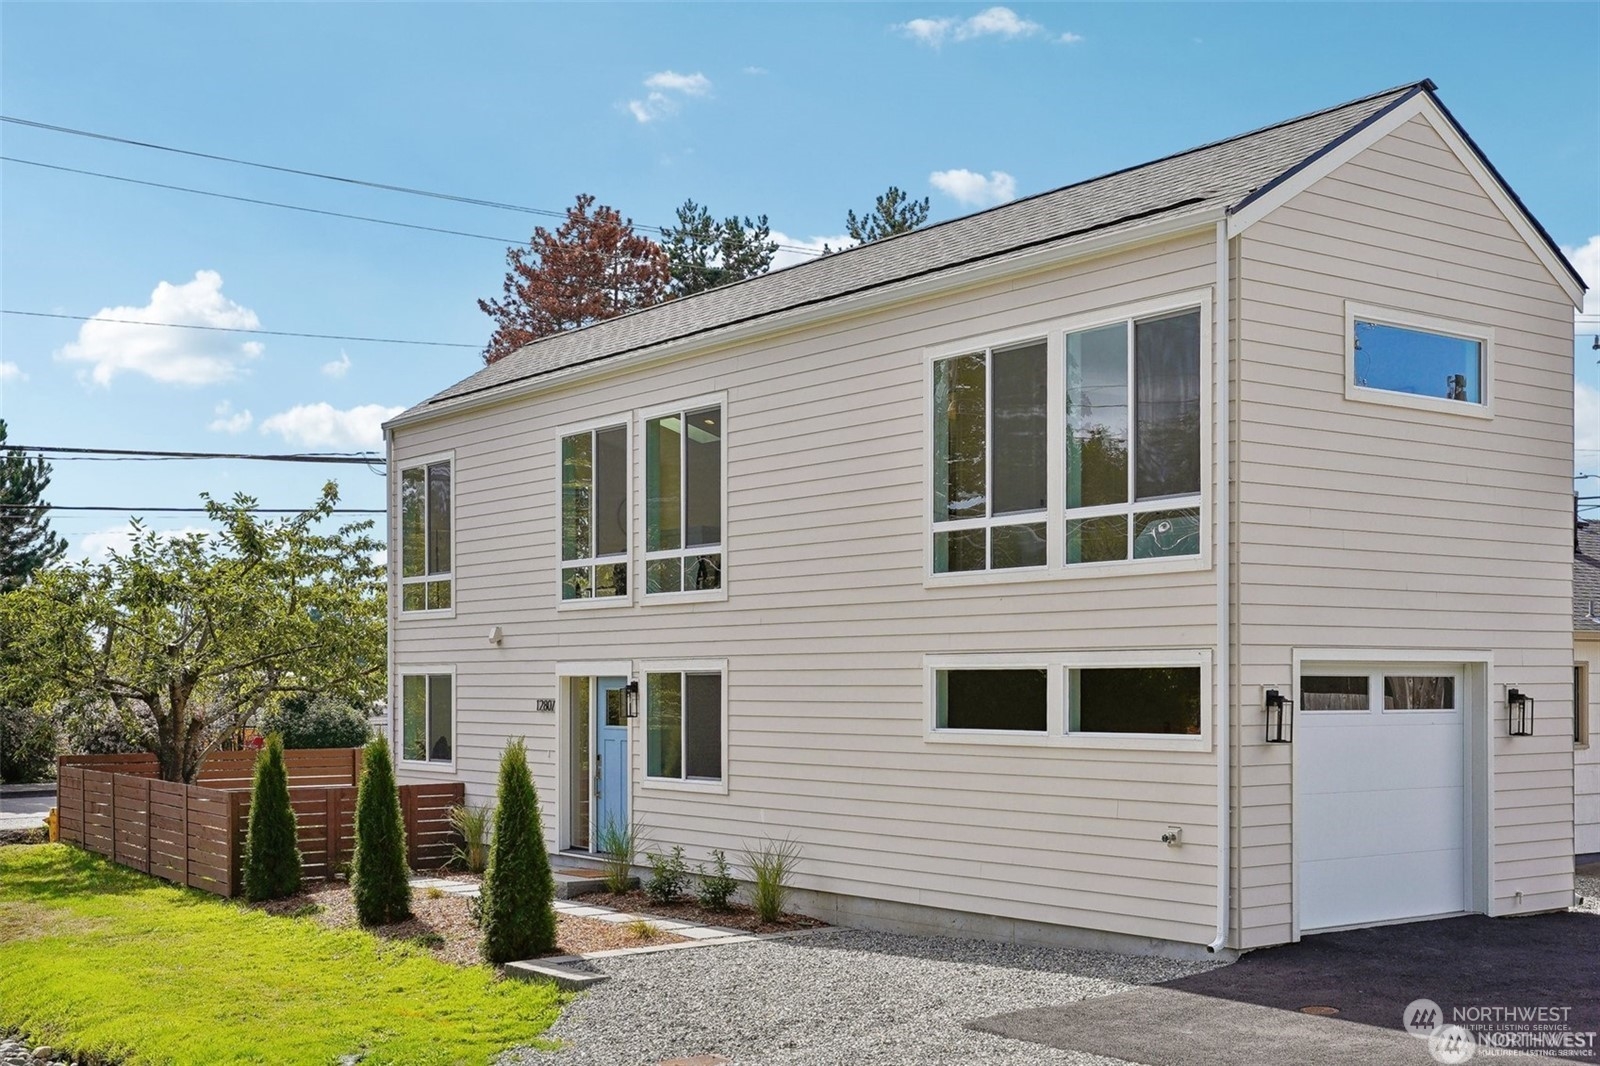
(195, 834)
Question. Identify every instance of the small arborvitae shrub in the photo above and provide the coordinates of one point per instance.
(379, 880)
(518, 912)
(717, 885)
(669, 875)
(271, 849)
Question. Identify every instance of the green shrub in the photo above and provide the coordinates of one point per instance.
(620, 842)
(317, 722)
(718, 886)
(271, 849)
(771, 866)
(518, 913)
(669, 876)
(473, 825)
(379, 880)
(28, 740)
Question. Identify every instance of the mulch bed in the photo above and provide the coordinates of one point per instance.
(443, 925)
(737, 916)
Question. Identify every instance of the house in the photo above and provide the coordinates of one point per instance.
(1152, 563)
(1585, 685)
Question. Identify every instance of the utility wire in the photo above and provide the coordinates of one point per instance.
(174, 510)
(361, 458)
(240, 329)
(408, 190)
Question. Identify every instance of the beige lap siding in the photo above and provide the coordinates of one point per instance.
(827, 623)
(1366, 526)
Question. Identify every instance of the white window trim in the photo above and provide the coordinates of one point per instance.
(642, 418)
(1057, 664)
(398, 716)
(635, 576)
(1384, 316)
(1375, 672)
(397, 538)
(1054, 333)
(680, 666)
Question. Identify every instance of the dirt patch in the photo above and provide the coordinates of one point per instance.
(443, 924)
(30, 921)
(737, 916)
(35, 835)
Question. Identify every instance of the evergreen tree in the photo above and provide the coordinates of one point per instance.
(379, 879)
(26, 540)
(519, 919)
(271, 849)
(893, 212)
(705, 254)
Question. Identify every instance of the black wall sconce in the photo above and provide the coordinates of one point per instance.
(1519, 713)
(632, 690)
(1280, 718)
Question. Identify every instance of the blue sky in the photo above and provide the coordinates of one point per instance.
(797, 111)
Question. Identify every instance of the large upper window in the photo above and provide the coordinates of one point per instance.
(425, 549)
(990, 434)
(683, 725)
(594, 514)
(1133, 466)
(1412, 360)
(683, 501)
(427, 725)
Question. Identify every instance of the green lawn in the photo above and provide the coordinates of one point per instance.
(101, 959)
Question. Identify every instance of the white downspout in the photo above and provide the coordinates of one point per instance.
(1220, 549)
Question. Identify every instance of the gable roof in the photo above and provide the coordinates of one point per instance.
(1209, 181)
(1586, 579)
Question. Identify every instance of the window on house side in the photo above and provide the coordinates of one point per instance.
(1143, 700)
(683, 501)
(594, 514)
(1580, 704)
(1418, 362)
(427, 728)
(683, 726)
(1009, 700)
(425, 548)
(990, 434)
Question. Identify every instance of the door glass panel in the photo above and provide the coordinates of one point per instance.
(611, 491)
(703, 726)
(664, 735)
(663, 445)
(1012, 700)
(1097, 417)
(1166, 385)
(1418, 693)
(616, 706)
(1335, 692)
(1019, 438)
(414, 721)
(959, 421)
(703, 477)
(581, 769)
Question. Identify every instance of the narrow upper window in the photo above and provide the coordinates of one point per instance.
(594, 514)
(425, 550)
(683, 501)
(1580, 704)
(1142, 699)
(1133, 440)
(427, 727)
(990, 435)
(1418, 362)
(683, 726)
(1009, 700)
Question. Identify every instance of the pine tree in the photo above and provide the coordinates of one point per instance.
(271, 849)
(26, 540)
(379, 879)
(893, 212)
(705, 253)
(519, 919)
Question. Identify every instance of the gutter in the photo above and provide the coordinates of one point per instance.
(1224, 682)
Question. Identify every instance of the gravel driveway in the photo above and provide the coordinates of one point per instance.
(839, 997)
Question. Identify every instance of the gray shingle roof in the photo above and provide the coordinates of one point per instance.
(1586, 579)
(1222, 174)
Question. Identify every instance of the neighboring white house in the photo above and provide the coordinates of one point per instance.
(1586, 685)
(976, 560)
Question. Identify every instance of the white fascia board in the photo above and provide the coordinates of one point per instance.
(1423, 105)
(844, 306)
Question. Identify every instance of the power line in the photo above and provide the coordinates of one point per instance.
(359, 458)
(406, 189)
(175, 510)
(240, 329)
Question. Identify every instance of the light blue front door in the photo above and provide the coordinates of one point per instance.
(611, 757)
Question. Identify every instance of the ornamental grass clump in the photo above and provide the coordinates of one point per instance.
(771, 865)
(271, 848)
(473, 825)
(620, 842)
(518, 913)
(380, 883)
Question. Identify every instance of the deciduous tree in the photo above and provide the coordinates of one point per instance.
(593, 267)
(705, 253)
(893, 212)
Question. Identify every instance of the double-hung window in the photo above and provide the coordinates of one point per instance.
(684, 462)
(425, 536)
(1133, 465)
(594, 514)
(685, 715)
(427, 718)
(990, 454)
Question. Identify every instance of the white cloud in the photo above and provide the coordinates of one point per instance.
(339, 367)
(321, 425)
(667, 89)
(755, 71)
(787, 257)
(11, 372)
(991, 22)
(228, 420)
(1073, 38)
(1587, 261)
(172, 356)
(97, 547)
(970, 187)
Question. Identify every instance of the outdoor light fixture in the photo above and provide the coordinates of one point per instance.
(1519, 713)
(496, 635)
(1280, 718)
(632, 691)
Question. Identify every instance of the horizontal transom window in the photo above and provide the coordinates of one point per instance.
(1409, 360)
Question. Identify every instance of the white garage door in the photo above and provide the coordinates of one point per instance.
(1380, 794)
